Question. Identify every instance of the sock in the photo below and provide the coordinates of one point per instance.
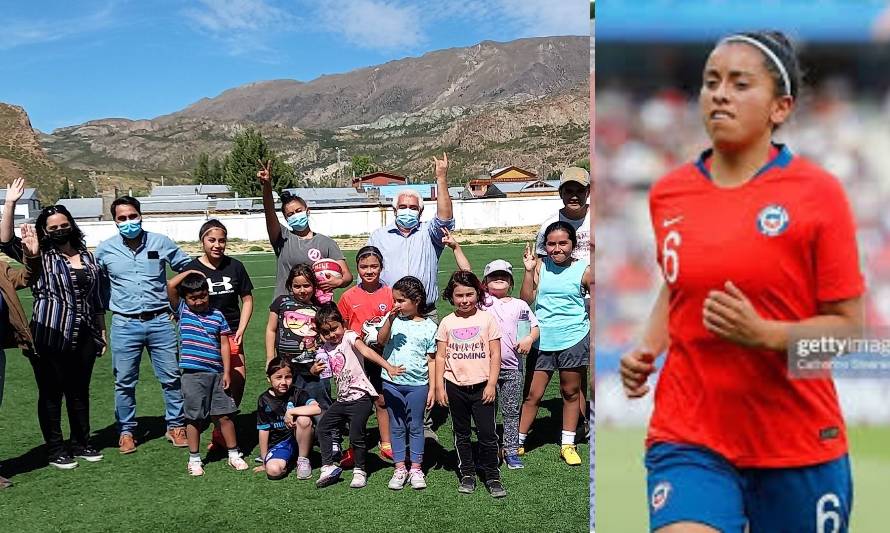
(402, 468)
(194, 457)
(234, 453)
(522, 437)
(416, 468)
(385, 446)
(568, 437)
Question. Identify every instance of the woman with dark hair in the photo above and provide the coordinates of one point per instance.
(555, 287)
(296, 243)
(230, 291)
(67, 325)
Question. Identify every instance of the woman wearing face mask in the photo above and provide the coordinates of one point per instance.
(296, 243)
(67, 325)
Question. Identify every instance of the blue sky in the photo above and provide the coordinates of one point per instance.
(68, 62)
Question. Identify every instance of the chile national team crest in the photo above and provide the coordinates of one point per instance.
(772, 220)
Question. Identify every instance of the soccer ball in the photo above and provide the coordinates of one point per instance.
(324, 269)
(371, 327)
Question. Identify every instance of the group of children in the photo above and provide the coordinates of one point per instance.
(377, 341)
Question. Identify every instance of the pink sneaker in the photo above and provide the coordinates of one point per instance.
(196, 468)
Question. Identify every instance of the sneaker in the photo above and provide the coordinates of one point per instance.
(417, 479)
(329, 475)
(347, 461)
(513, 461)
(236, 462)
(63, 462)
(89, 454)
(495, 488)
(386, 452)
(177, 437)
(195, 468)
(467, 485)
(398, 479)
(359, 479)
(304, 468)
(126, 444)
(520, 451)
(569, 453)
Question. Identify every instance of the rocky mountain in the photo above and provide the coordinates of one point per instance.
(493, 104)
(21, 154)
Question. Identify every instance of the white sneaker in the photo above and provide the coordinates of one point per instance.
(398, 479)
(196, 468)
(304, 468)
(328, 476)
(236, 462)
(417, 479)
(359, 479)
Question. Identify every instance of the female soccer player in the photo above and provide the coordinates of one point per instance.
(755, 244)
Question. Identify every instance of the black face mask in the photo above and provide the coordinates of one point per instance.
(60, 236)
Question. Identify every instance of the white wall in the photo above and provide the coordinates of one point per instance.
(468, 214)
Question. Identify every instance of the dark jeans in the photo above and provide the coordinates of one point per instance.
(357, 413)
(466, 404)
(66, 373)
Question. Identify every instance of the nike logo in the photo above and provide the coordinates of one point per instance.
(356, 305)
(671, 221)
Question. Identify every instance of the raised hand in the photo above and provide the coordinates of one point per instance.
(441, 165)
(448, 239)
(30, 244)
(529, 258)
(265, 172)
(15, 190)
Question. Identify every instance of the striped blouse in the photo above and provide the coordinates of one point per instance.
(60, 310)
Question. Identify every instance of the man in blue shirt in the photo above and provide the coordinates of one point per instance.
(136, 262)
(411, 247)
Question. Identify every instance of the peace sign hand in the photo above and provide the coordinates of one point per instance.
(449, 240)
(265, 172)
(529, 258)
(441, 165)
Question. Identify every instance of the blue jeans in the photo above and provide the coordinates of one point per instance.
(128, 337)
(405, 405)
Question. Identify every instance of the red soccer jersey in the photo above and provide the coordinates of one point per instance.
(787, 239)
(358, 305)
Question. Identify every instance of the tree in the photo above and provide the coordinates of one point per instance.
(65, 189)
(241, 165)
(201, 174)
(217, 171)
(363, 164)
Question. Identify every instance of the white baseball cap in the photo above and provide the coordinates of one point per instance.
(498, 265)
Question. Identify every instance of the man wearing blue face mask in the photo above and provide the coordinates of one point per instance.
(296, 243)
(136, 262)
(411, 247)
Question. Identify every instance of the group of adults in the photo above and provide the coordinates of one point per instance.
(126, 275)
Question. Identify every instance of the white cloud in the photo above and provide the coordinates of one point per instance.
(243, 26)
(373, 24)
(541, 18)
(18, 33)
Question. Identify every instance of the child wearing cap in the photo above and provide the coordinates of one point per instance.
(519, 331)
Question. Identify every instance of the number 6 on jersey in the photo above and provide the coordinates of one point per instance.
(670, 260)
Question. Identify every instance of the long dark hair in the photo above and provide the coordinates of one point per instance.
(467, 279)
(76, 238)
(559, 225)
(305, 271)
(414, 291)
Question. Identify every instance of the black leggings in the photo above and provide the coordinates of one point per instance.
(357, 413)
(66, 373)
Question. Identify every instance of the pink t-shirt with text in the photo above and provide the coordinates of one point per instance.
(346, 365)
(467, 351)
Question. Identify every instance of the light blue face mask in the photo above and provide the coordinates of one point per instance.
(298, 221)
(407, 218)
(130, 229)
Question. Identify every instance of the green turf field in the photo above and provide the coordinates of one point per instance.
(150, 490)
(621, 481)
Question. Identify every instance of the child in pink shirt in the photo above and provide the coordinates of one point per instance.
(468, 354)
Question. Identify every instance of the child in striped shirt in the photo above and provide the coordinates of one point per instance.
(205, 365)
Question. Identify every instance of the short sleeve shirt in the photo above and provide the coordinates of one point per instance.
(410, 343)
(292, 250)
(297, 337)
(200, 338)
(271, 409)
(582, 232)
(508, 312)
(358, 305)
(227, 285)
(346, 366)
(467, 350)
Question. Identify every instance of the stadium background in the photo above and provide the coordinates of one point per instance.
(649, 70)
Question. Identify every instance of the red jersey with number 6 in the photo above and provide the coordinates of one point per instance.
(786, 239)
